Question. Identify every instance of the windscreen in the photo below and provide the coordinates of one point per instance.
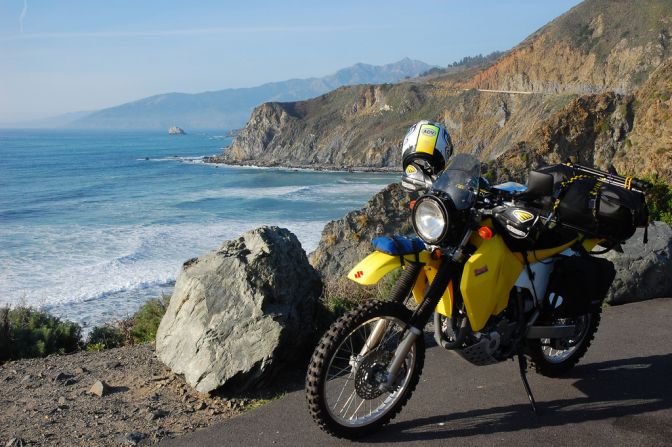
(460, 180)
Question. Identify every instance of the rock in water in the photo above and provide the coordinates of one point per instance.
(643, 270)
(239, 313)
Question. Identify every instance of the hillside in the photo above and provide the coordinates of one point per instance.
(230, 108)
(602, 62)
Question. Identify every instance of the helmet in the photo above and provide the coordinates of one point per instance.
(427, 145)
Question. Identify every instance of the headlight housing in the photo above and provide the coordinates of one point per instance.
(430, 219)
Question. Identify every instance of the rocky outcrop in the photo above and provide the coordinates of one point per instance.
(632, 132)
(345, 241)
(582, 69)
(643, 271)
(239, 313)
(597, 46)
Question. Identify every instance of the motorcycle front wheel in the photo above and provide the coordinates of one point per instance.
(349, 365)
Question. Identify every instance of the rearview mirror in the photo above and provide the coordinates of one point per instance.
(415, 179)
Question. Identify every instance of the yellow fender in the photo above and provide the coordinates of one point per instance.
(371, 269)
(375, 266)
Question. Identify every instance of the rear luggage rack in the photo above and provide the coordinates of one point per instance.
(630, 183)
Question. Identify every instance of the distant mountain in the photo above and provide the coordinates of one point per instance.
(230, 108)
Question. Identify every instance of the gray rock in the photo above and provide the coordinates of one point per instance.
(346, 241)
(643, 271)
(153, 415)
(239, 313)
(99, 389)
(60, 376)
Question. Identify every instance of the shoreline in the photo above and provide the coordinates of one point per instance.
(258, 164)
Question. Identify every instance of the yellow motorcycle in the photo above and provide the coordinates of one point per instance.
(502, 271)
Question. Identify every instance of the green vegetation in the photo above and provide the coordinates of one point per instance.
(105, 337)
(26, 332)
(659, 199)
(140, 328)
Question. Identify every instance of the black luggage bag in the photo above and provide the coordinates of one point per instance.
(596, 206)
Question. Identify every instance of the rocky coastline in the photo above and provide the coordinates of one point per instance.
(221, 160)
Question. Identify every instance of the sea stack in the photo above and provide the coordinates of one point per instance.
(176, 131)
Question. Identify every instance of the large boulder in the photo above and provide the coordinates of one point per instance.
(240, 313)
(643, 271)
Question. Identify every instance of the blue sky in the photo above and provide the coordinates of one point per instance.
(70, 55)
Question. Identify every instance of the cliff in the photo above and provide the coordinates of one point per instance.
(602, 65)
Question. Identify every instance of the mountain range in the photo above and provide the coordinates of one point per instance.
(229, 108)
(593, 86)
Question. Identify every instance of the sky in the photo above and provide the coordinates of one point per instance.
(76, 55)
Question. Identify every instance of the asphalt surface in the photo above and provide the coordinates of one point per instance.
(619, 394)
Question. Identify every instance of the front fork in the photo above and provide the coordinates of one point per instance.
(399, 294)
(424, 312)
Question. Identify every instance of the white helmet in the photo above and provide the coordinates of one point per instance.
(427, 145)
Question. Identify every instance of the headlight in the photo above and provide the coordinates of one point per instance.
(430, 219)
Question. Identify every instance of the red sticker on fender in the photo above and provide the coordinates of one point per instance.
(480, 271)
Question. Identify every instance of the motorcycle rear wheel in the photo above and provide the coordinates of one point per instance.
(342, 385)
(554, 358)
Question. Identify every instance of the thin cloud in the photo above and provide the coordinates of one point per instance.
(185, 32)
(23, 14)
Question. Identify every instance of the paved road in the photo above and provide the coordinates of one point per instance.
(620, 394)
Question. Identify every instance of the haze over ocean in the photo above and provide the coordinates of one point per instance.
(92, 224)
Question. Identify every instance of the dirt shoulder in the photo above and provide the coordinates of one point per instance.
(47, 401)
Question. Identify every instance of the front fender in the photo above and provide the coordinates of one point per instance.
(375, 266)
(371, 269)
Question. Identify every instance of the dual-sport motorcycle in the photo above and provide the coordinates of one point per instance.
(502, 271)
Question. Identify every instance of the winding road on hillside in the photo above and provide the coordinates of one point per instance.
(619, 394)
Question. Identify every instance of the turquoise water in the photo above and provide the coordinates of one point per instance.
(92, 224)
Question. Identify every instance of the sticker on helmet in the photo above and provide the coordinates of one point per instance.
(523, 216)
(427, 139)
(411, 170)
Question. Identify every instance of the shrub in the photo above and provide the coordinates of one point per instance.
(105, 337)
(146, 320)
(659, 199)
(140, 328)
(26, 332)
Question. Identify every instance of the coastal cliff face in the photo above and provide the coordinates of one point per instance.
(631, 132)
(596, 46)
(598, 76)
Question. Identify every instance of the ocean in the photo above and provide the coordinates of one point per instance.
(94, 223)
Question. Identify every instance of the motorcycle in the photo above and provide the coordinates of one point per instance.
(502, 272)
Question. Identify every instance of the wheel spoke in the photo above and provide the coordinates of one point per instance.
(349, 366)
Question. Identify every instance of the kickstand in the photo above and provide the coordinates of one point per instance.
(522, 363)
